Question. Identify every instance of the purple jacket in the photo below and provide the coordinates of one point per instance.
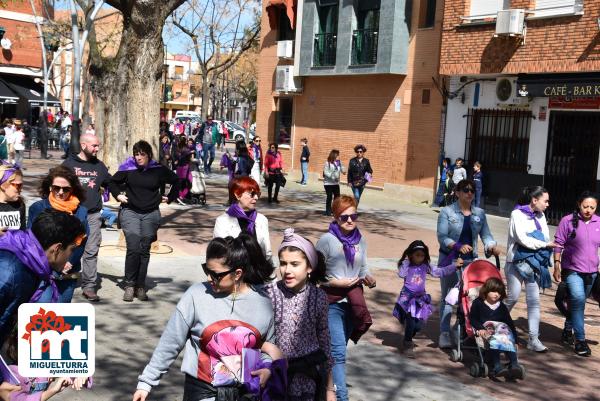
(580, 254)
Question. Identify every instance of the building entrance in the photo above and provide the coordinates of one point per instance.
(571, 159)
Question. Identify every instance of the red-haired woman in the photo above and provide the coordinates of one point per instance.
(345, 252)
(242, 215)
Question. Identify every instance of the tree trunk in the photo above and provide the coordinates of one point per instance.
(205, 97)
(127, 99)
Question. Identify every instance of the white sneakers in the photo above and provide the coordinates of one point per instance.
(445, 341)
(536, 345)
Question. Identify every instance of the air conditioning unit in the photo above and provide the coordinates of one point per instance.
(510, 22)
(285, 49)
(285, 80)
(506, 91)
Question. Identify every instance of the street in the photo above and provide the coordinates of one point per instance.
(128, 332)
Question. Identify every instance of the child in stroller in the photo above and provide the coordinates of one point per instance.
(495, 330)
(413, 306)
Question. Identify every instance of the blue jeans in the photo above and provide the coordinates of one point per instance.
(340, 328)
(446, 284)
(108, 216)
(357, 192)
(304, 166)
(578, 293)
(495, 357)
(208, 149)
(477, 200)
(65, 291)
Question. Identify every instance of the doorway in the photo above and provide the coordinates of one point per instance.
(571, 159)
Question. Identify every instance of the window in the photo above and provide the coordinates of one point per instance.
(427, 13)
(326, 37)
(178, 72)
(283, 121)
(425, 96)
(488, 8)
(285, 31)
(365, 37)
(408, 6)
(499, 139)
(550, 8)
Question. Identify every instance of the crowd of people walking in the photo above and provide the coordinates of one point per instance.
(297, 308)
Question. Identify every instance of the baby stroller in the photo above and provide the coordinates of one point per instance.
(473, 277)
(198, 189)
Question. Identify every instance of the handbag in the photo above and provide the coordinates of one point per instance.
(452, 296)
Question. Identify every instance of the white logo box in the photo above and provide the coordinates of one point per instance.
(57, 340)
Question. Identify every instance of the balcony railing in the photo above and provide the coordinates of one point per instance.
(364, 46)
(324, 53)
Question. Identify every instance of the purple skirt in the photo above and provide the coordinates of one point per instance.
(415, 305)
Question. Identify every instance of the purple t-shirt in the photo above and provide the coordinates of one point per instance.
(580, 254)
(415, 276)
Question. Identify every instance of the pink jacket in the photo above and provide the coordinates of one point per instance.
(272, 162)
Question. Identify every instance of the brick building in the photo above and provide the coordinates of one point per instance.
(523, 92)
(21, 75)
(342, 73)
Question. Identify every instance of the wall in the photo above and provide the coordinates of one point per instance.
(562, 44)
(17, 20)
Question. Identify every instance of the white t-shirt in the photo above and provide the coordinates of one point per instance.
(10, 134)
(459, 174)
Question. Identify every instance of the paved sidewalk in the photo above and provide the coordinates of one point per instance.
(127, 333)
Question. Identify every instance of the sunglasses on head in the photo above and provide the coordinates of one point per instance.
(345, 217)
(216, 277)
(468, 190)
(57, 188)
(16, 186)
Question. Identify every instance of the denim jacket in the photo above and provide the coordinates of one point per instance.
(450, 223)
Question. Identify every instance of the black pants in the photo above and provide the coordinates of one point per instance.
(270, 182)
(332, 191)
(140, 232)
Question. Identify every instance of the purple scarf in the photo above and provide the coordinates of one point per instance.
(29, 251)
(526, 210)
(235, 210)
(348, 241)
(8, 172)
(454, 254)
(131, 165)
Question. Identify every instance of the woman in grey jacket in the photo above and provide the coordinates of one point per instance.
(458, 227)
(331, 178)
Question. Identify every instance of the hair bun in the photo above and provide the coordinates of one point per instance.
(288, 234)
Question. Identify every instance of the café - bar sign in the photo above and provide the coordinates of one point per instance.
(570, 87)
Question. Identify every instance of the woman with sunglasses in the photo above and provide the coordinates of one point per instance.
(459, 226)
(214, 321)
(242, 217)
(273, 169)
(61, 190)
(345, 252)
(140, 187)
(12, 207)
(256, 154)
(359, 172)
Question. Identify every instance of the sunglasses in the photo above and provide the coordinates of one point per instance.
(468, 190)
(253, 194)
(216, 277)
(257, 140)
(344, 217)
(16, 186)
(360, 151)
(57, 188)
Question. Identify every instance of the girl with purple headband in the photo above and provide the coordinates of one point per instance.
(301, 322)
(12, 207)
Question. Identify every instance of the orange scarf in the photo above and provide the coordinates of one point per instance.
(69, 205)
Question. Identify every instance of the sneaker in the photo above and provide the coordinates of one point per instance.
(303, 184)
(181, 202)
(567, 337)
(111, 228)
(582, 348)
(128, 295)
(445, 341)
(515, 372)
(140, 293)
(536, 345)
(408, 349)
(90, 295)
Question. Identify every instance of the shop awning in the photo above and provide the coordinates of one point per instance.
(273, 8)
(547, 85)
(6, 95)
(27, 89)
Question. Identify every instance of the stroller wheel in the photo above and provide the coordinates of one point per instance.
(523, 372)
(456, 355)
(474, 370)
(483, 370)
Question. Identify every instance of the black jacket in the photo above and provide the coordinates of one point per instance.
(357, 170)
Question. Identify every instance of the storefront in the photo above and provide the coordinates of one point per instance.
(534, 129)
(24, 98)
